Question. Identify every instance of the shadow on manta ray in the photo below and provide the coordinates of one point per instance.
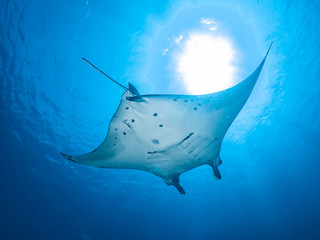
(169, 134)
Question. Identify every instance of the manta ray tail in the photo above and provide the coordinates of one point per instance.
(131, 88)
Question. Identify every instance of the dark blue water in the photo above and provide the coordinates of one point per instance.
(52, 101)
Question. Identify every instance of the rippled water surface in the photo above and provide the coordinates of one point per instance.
(52, 101)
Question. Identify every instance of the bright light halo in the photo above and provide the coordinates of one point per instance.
(205, 64)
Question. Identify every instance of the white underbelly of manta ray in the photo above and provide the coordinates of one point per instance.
(169, 134)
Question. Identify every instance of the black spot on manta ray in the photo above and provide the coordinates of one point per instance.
(132, 120)
(155, 141)
(154, 152)
(127, 108)
(160, 125)
(124, 133)
(155, 114)
(195, 109)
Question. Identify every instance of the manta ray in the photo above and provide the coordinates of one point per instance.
(169, 134)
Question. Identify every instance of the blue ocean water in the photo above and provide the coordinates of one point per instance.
(51, 101)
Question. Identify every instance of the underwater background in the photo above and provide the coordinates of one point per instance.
(52, 102)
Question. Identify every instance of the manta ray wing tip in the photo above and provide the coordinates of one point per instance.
(268, 50)
(67, 156)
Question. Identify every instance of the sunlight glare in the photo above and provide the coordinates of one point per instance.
(205, 64)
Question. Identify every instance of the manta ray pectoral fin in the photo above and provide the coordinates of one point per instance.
(175, 181)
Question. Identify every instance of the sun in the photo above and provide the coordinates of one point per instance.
(206, 64)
